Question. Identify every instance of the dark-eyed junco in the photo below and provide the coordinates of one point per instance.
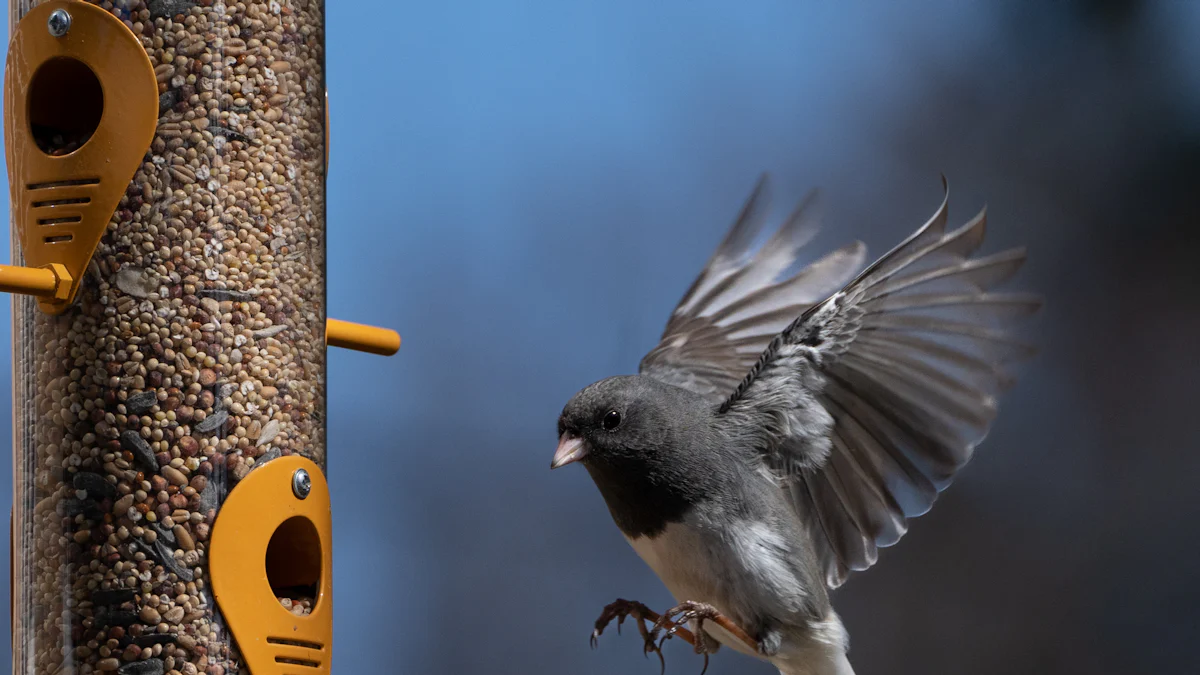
(789, 423)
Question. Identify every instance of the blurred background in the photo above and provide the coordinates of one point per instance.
(525, 189)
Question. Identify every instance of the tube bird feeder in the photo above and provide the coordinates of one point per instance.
(166, 163)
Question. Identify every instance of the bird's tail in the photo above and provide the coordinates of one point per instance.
(834, 663)
(821, 652)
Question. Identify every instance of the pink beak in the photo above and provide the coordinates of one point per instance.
(570, 449)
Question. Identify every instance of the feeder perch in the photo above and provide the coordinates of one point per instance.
(166, 164)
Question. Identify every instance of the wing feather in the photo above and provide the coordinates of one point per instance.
(745, 295)
(869, 403)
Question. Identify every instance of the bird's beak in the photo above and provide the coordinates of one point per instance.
(570, 449)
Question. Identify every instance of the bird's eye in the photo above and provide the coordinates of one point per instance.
(612, 420)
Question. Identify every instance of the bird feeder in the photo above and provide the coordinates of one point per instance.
(166, 163)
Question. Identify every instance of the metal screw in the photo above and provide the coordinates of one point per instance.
(301, 483)
(59, 23)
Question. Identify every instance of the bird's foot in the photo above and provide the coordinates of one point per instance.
(622, 609)
(699, 612)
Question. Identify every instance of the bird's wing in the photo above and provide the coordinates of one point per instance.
(745, 295)
(868, 404)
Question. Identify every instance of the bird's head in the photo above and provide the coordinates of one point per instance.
(617, 418)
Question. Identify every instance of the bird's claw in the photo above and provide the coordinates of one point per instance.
(664, 627)
(683, 613)
(622, 609)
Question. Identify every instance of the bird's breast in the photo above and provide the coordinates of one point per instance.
(744, 568)
(684, 563)
(680, 559)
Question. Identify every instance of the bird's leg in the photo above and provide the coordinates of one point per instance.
(640, 613)
(700, 612)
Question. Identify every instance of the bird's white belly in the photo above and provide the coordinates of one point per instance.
(685, 561)
(743, 567)
(682, 559)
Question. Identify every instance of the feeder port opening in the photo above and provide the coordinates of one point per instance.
(66, 103)
(294, 562)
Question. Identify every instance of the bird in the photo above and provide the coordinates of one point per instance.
(792, 420)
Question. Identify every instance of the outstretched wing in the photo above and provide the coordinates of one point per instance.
(744, 297)
(870, 402)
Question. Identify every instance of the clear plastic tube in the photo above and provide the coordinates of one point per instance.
(195, 350)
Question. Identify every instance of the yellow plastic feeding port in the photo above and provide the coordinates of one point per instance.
(271, 564)
(80, 108)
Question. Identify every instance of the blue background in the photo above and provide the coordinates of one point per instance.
(525, 189)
